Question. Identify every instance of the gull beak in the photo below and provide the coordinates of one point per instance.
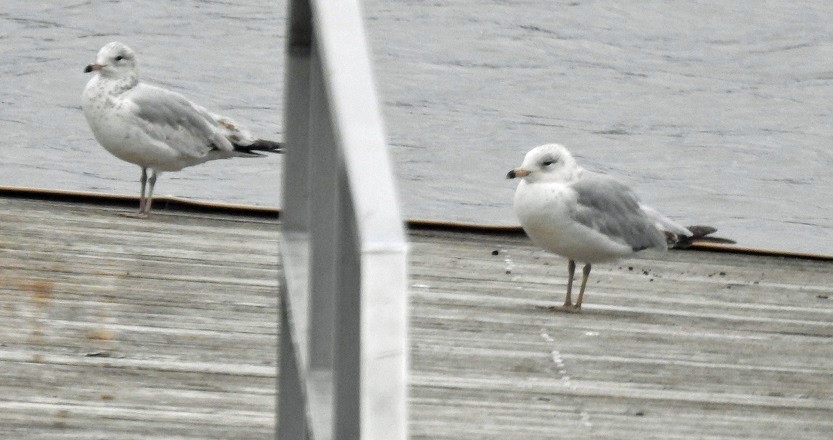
(92, 67)
(517, 172)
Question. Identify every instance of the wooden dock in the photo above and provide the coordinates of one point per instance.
(116, 328)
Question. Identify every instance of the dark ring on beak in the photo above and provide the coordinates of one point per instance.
(92, 67)
(517, 172)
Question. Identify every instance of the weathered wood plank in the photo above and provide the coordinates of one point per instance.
(115, 328)
(166, 329)
(693, 353)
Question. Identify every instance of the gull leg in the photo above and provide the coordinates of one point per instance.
(142, 194)
(149, 200)
(571, 271)
(142, 200)
(586, 273)
(568, 302)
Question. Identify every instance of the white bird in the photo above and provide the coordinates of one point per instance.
(154, 128)
(585, 216)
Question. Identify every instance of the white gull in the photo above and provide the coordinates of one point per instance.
(154, 128)
(585, 216)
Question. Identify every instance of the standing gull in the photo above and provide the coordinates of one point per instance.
(155, 128)
(585, 216)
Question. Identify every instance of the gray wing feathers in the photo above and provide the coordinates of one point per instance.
(173, 119)
(664, 223)
(611, 208)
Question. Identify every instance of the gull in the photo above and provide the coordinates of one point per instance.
(587, 217)
(154, 128)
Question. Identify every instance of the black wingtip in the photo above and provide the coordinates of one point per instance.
(698, 233)
(260, 145)
(264, 145)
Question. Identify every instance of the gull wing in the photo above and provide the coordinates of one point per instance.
(169, 118)
(611, 208)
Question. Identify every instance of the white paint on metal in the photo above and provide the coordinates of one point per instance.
(343, 248)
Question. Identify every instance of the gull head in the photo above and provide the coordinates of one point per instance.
(114, 60)
(546, 163)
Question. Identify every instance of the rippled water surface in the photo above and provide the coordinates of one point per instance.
(716, 112)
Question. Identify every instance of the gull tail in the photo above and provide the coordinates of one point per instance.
(681, 237)
(251, 149)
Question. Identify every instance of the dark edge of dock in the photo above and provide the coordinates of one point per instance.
(172, 203)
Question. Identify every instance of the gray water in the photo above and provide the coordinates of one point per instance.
(717, 113)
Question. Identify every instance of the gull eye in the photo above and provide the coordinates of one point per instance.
(119, 58)
(548, 162)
